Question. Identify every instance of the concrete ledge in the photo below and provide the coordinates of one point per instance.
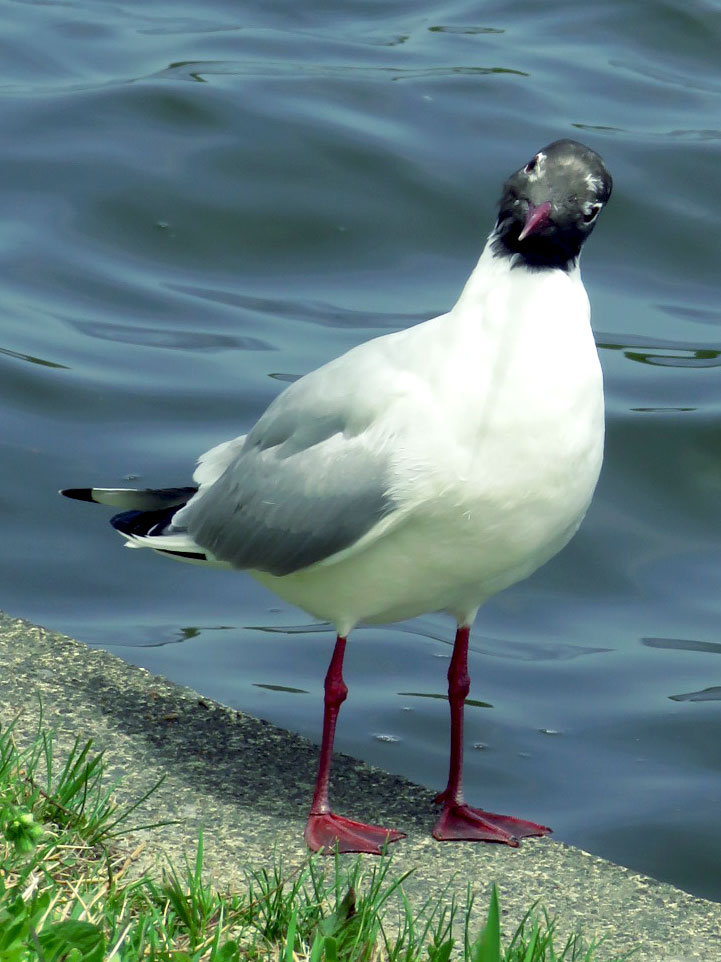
(248, 785)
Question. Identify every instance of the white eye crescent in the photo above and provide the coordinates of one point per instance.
(592, 213)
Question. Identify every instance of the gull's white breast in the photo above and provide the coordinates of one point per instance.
(493, 417)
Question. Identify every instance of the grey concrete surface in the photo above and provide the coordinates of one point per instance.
(248, 785)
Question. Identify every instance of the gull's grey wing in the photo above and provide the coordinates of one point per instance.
(305, 485)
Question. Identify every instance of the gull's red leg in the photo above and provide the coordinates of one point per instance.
(324, 829)
(458, 821)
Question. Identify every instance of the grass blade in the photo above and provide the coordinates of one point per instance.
(487, 947)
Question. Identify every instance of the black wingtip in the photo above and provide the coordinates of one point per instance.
(78, 494)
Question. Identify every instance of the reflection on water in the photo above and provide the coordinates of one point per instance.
(33, 360)
(168, 339)
(541, 650)
(655, 351)
(470, 702)
(692, 313)
(202, 72)
(708, 694)
(285, 688)
(682, 644)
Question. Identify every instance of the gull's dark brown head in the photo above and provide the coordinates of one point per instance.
(550, 206)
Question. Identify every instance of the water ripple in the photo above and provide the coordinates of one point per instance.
(168, 339)
(660, 352)
(682, 644)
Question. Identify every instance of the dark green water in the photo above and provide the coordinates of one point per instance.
(198, 202)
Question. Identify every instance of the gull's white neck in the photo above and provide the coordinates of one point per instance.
(495, 271)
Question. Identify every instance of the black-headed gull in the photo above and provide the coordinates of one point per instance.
(424, 470)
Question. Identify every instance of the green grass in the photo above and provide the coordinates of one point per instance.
(65, 894)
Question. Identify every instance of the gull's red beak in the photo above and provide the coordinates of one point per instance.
(536, 218)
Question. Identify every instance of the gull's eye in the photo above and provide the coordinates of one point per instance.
(592, 213)
(530, 166)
